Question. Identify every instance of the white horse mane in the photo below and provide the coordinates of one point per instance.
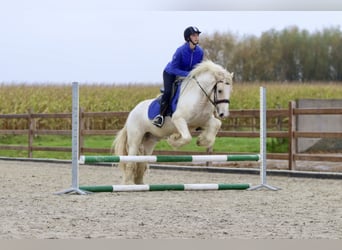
(219, 73)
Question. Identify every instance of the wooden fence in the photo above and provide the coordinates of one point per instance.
(281, 123)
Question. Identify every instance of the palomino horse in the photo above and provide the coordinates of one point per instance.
(204, 95)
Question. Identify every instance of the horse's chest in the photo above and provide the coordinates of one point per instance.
(200, 117)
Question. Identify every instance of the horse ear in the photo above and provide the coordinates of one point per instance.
(232, 74)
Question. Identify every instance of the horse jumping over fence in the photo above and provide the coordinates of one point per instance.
(203, 98)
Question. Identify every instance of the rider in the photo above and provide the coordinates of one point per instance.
(183, 61)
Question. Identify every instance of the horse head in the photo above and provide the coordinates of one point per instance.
(216, 83)
(221, 92)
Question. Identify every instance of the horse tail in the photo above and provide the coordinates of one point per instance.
(119, 145)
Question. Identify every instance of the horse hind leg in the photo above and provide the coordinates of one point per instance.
(120, 147)
(128, 142)
(140, 168)
(129, 172)
(134, 173)
(131, 169)
(147, 147)
(138, 145)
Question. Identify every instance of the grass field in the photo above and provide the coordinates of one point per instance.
(221, 145)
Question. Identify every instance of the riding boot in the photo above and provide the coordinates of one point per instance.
(159, 119)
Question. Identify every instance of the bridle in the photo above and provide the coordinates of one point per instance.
(216, 101)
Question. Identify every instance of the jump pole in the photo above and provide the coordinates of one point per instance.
(167, 158)
(165, 187)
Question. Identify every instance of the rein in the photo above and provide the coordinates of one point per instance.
(215, 102)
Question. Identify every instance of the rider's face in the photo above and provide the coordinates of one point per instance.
(195, 38)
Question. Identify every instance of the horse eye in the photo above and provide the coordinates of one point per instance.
(219, 91)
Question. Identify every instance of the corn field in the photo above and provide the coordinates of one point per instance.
(19, 98)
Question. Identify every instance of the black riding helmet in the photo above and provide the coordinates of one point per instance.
(189, 31)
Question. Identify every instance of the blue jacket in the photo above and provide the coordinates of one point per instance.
(184, 60)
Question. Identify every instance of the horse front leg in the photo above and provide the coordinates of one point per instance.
(183, 136)
(208, 135)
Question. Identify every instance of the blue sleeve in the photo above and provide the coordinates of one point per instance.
(175, 64)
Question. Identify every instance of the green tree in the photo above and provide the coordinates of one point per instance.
(287, 55)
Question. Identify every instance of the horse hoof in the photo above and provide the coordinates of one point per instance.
(204, 143)
(173, 144)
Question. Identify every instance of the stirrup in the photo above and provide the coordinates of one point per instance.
(158, 121)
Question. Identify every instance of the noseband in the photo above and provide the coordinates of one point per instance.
(216, 101)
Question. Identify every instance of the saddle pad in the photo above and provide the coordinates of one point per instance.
(154, 108)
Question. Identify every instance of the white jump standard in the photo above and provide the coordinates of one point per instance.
(75, 141)
(263, 136)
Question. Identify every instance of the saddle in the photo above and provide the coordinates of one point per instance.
(154, 108)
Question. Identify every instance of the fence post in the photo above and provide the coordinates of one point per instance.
(32, 127)
(81, 129)
(292, 138)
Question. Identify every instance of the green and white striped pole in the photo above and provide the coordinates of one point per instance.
(165, 187)
(167, 158)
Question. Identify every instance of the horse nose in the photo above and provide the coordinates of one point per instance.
(222, 115)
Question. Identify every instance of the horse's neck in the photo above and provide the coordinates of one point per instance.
(195, 93)
(198, 84)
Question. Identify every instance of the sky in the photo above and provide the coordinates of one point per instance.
(104, 41)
